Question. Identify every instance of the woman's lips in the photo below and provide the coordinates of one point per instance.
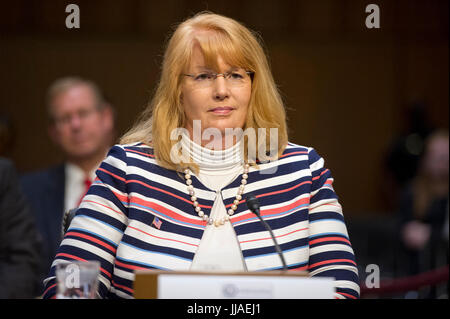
(222, 110)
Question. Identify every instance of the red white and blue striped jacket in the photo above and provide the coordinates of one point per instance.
(115, 221)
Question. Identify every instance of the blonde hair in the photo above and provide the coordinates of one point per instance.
(239, 47)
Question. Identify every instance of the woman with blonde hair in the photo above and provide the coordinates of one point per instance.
(172, 194)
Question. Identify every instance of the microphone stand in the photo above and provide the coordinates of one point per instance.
(253, 206)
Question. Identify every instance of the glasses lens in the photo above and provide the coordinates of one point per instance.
(234, 78)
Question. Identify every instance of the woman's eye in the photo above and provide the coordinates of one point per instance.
(236, 75)
(203, 76)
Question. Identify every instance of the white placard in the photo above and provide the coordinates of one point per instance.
(244, 287)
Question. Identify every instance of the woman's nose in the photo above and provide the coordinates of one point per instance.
(220, 87)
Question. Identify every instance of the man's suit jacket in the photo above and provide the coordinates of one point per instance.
(44, 191)
(19, 244)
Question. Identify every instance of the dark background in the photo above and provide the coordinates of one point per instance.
(347, 88)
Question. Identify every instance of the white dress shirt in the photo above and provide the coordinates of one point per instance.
(74, 186)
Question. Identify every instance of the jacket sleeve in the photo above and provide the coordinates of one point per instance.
(99, 223)
(19, 247)
(331, 253)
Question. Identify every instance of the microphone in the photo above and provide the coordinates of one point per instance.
(253, 205)
(67, 219)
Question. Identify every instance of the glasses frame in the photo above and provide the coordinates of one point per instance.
(216, 75)
(83, 115)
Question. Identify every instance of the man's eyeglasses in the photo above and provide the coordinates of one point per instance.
(82, 114)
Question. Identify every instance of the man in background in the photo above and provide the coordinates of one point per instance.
(82, 126)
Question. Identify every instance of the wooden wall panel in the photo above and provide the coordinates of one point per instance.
(345, 86)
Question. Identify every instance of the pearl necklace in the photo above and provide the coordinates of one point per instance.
(220, 221)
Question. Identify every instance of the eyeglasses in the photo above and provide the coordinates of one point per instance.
(233, 78)
(82, 114)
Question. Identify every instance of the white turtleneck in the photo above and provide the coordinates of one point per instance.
(219, 249)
